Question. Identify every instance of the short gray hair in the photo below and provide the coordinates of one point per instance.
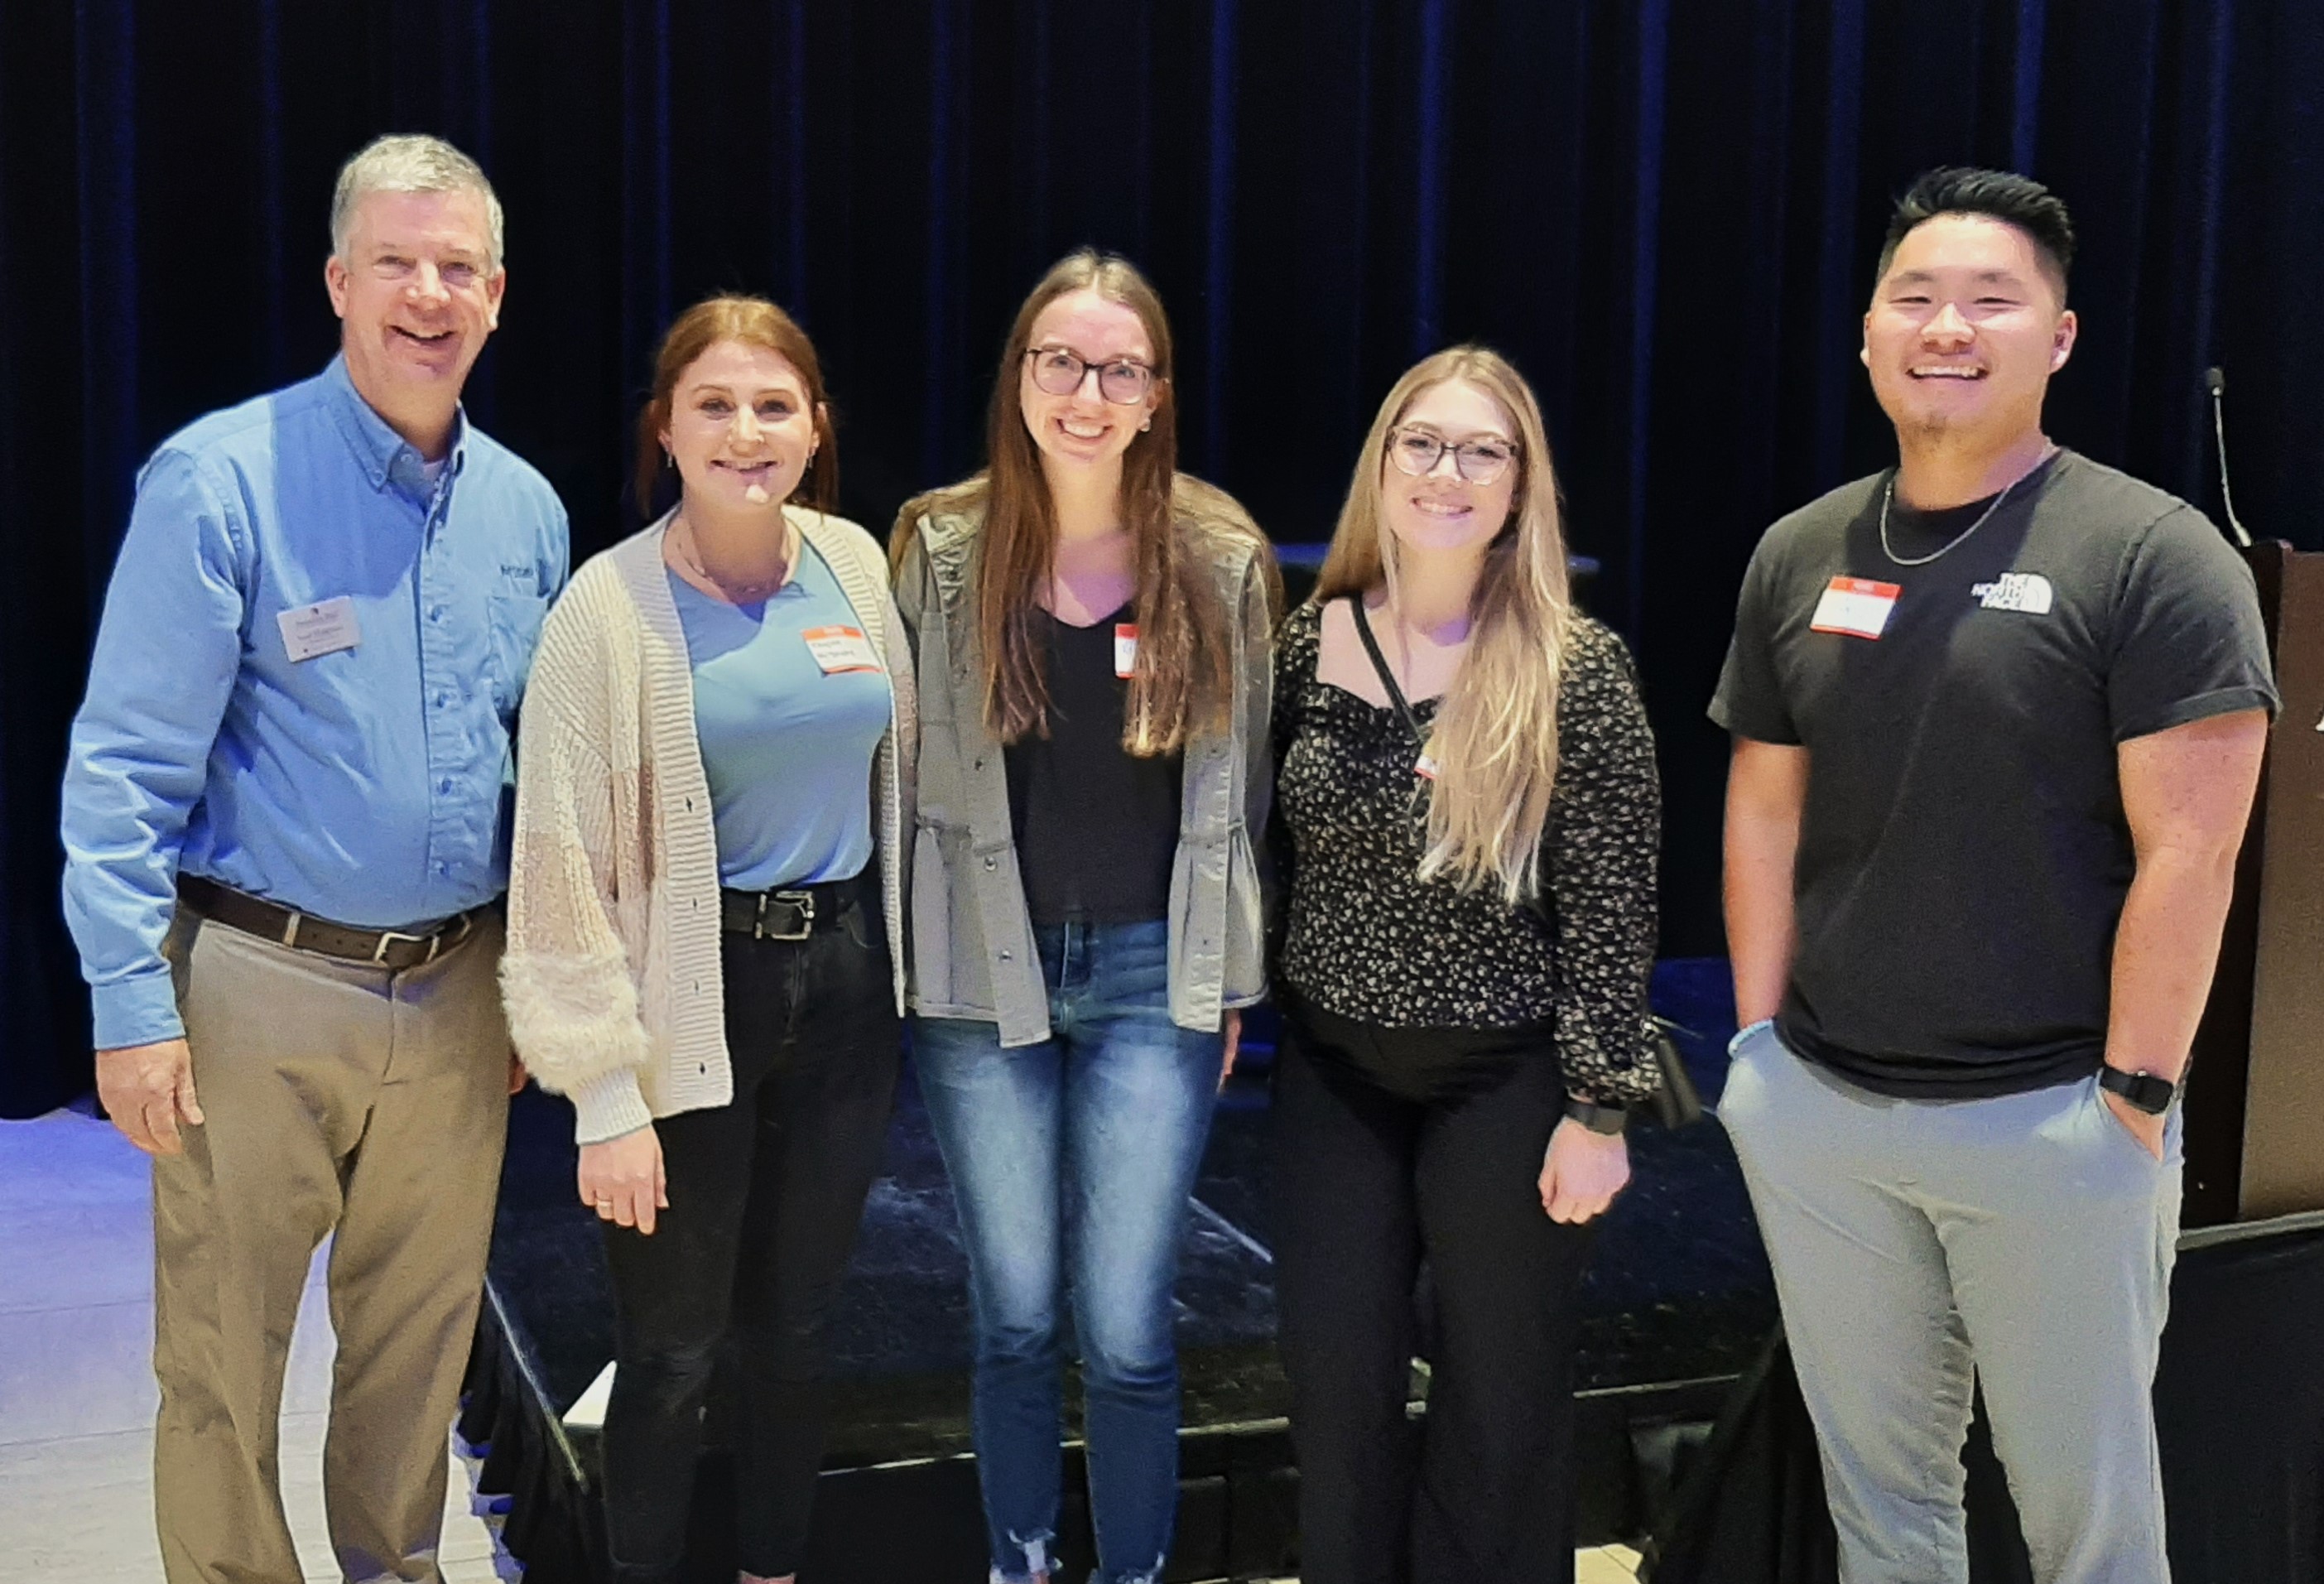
(413, 163)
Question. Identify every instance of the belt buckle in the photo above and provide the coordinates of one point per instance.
(379, 953)
(802, 901)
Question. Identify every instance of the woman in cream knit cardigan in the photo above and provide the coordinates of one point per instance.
(705, 919)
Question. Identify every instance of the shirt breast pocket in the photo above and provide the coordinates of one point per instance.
(515, 620)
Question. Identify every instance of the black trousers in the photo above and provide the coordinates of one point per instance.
(1367, 1184)
(765, 1194)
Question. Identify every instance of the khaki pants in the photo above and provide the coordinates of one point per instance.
(339, 1098)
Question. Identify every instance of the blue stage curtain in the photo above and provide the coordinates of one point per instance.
(1666, 210)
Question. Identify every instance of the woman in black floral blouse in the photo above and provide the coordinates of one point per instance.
(1469, 814)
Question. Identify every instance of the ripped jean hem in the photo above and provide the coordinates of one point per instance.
(1038, 1564)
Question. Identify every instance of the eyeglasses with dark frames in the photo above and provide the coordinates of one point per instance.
(1060, 370)
(1481, 461)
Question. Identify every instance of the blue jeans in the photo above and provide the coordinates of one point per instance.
(1076, 1156)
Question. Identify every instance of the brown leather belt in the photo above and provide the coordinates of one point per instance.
(286, 927)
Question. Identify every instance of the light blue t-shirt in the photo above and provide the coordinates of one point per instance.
(787, 747)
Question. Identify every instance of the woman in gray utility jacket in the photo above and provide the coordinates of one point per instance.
(1092, 633)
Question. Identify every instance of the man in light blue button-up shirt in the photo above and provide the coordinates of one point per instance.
(286, 823)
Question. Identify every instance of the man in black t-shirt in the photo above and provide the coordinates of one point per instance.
(1998, 714)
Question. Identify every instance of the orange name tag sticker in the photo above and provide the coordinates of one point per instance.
(1125, 647)
(1856, 607)
(840, 648)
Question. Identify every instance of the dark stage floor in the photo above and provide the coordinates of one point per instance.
(1678, 1299)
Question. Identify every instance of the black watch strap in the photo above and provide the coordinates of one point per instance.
(2144, 1091)
(1597, 1119)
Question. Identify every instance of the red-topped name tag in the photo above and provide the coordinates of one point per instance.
(1856, 607)
(841, 649)
(1125, 647)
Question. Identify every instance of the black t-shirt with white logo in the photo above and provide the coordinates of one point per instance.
(1963, 855)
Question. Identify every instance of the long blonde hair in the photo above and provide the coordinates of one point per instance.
(1495, 738)
(1181, 681)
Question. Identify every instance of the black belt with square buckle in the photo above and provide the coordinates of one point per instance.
(788, 913)
(392, 949)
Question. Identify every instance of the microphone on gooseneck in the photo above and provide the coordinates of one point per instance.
(2215, 379)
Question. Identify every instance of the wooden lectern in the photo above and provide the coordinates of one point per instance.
(2254, 1123)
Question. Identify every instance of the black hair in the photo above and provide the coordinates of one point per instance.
(2000, 195)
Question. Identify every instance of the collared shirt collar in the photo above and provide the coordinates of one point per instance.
(385, 455)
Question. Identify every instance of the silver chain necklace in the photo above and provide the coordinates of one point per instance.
(747, 593)
(1888, 493)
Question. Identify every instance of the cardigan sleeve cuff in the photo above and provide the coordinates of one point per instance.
(608, 1106)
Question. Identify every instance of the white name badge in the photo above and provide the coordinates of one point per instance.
(1425, 768)
(1856, 607)
(841, 649)
(322, 628)
(1125, 647)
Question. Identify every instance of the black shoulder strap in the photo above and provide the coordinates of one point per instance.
(1379, 665)
(1540, 900)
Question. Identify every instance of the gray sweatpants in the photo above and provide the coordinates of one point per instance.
(2027, 1239)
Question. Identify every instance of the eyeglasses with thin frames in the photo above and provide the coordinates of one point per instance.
(1481, 461)
(1060, 370)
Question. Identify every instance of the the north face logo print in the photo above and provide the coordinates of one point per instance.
(2029, 591)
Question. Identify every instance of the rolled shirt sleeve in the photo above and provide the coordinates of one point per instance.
(1750, 701)
(2188, 639)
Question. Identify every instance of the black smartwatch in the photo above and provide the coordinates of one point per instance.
(2144, 1091)
(1597, 1119)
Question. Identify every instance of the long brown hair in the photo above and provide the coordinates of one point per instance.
(1181, 681)
(1495, 739)
(754, 322)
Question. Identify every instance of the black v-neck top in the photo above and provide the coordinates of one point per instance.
(1097, 830)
